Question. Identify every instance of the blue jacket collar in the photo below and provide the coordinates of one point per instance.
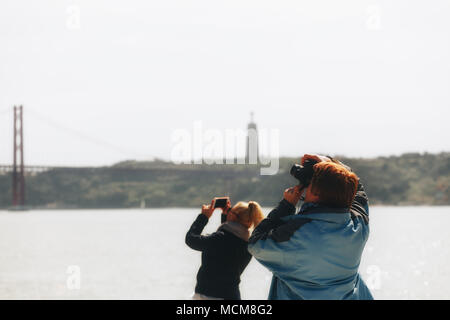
(316, 211)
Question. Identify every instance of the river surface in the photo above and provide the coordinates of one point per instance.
(141, 254)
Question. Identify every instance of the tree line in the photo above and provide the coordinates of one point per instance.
(409, 179)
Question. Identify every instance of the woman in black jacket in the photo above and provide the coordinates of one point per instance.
(224, 252)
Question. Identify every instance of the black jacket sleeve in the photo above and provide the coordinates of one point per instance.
(273, 227)
(360, 205)
(195, 240)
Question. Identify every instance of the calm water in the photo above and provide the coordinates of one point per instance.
(140, 254)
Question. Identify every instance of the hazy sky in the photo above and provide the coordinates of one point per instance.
(104, 81)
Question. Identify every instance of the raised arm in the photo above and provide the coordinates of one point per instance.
(194, 238)
(269, 241)
(360, 205)
(267, 227)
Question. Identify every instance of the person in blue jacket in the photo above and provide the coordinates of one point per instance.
(316, 253)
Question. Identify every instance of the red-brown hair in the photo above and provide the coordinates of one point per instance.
(334, 184)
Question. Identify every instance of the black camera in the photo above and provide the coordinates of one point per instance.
(303, 173)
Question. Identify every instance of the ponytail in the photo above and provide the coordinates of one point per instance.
(256, 214)
(248, 214)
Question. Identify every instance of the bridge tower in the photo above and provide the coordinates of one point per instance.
(18, 177)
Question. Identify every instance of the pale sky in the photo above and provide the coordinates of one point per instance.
(104, 81)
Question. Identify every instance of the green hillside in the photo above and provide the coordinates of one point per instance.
(410, 179)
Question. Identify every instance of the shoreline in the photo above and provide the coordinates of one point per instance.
(184, 208)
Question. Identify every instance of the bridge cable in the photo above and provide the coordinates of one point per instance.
(81, 135)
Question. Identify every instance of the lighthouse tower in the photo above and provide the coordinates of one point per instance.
(252, 150)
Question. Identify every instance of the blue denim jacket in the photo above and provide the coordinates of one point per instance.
(316, 253)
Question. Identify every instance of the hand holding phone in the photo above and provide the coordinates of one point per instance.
(218, 202)
(208, 209)
(221, 202)
(225, 204)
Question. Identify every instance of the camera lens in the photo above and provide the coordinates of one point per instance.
(303, 173)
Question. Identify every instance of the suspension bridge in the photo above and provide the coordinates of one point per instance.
(18, 170)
